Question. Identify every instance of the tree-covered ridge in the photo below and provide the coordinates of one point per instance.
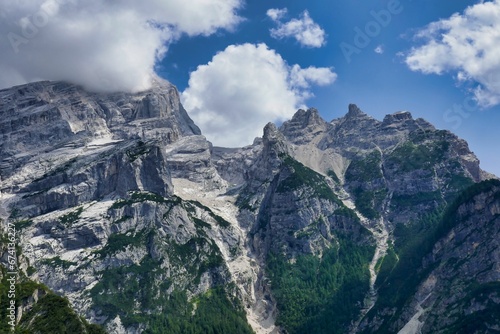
(410, 261)
(53, 314)
(319, 252)
(143, 294)
(211, 313)
(125, 290)
(320, 295)
(302, 176)
(50, 314)
(145, 297)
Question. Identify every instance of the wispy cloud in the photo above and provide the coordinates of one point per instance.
(307, 32)
(276, 14)
(466, 45)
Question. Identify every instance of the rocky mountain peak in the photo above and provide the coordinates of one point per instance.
(399, 116)
(274, 145)
(309, 117)
(402, 123)
(344, 132)
(304, 126)
(270, 131)
(273, 138)
(354, 116)
(354, 112)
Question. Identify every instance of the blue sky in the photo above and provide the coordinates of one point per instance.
(378, 83)
(240, 64)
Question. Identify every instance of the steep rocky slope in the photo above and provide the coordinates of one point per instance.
(448, 278)
(397, 176)
(87, 180)
(122, 206)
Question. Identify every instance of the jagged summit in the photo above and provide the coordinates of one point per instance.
(304, 126)
(355, 112)
(307, 117)
(396, 117)
(355, 117)
(271, 132)
(273, 140)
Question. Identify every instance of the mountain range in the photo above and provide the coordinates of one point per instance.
(129, 221)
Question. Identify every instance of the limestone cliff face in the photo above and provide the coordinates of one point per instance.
(48, 115)
(394, 174)
(455, 286)
(128, 211)
(389, 166)
(87, 178)
(464, 286)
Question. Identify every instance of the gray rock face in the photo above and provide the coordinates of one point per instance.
(467, 262)
(190, 158)
(115, 190)
(233, 164)
(458, 279)
(386, 162)
(116, 171)
(90, 175)
(46, 116)
(62, 146)
(304, 125)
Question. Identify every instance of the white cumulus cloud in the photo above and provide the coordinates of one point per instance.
(467, 45)
(276, 13)
(100, 44)
(304, 29)
(245, 86)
